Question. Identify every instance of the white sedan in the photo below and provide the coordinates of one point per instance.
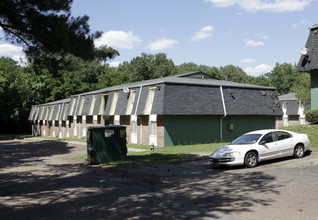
(253, 147)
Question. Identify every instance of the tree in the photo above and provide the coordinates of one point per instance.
(261, 80)
(283, 77)
(301, 87)
(233, 73)
(46, 26)
(149, 66)
(192, 67)
(15, 96)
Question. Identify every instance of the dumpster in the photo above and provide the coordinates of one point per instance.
(106, 144)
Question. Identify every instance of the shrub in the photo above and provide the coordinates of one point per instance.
(312, 116)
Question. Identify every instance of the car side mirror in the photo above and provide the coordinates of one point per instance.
(262, 142)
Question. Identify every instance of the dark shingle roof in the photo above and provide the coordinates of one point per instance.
(310, 60)
(185, 79)
(288, 97)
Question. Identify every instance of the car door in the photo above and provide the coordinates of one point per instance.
(268, 146)
(285, 143)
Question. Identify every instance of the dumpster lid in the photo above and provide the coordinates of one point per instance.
(105, 127)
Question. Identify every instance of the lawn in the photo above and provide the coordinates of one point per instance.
(186, 152)
(177, 153)
(311, 131)
(171, 153)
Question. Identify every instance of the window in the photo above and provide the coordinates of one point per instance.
(281, 135)
(116, 120)
(268, 138)
(153, 128)
(153, 124)
(133, 127)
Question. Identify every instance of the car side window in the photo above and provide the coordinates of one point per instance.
(281, 135)
(268, 138)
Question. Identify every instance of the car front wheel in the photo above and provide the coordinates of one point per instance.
(251, 160)
(299, 151)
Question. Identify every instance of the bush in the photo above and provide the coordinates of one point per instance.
(312, 116)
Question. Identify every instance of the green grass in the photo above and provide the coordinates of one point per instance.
(169, 154)
(187, 152)
(63, 139)
(311, 131)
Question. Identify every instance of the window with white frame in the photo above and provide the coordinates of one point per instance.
(153, 128)
(153, 125)
(117, 120)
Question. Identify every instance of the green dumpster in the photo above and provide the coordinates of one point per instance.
(106, 144)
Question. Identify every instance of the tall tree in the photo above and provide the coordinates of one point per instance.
(15, 96)
(46, 26)
(301, 87)
(282, 77)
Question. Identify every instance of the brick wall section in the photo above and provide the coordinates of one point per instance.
(56, 129)
(145, 130)
(160, 131)
(125, 121)
(71, 126)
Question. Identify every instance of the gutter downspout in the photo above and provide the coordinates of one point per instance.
(140, 90)
(224, 109)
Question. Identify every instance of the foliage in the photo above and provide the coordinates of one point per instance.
(22, 22)
(15, 91)
(22, 87)
(149, 66)
(312, 116)
(283, 77)
(261, 80)
(233, 73)
(192, 67)
(311, 131)
(301, 87)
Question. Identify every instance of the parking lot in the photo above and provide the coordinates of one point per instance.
(42, 179)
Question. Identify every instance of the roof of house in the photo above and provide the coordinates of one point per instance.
(292, 105)
(288, 97)
(309, 61)
(186, 79)
(187, 94)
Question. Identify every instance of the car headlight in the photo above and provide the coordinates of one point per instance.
(231, 154)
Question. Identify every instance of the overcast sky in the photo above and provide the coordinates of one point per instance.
(251, 34)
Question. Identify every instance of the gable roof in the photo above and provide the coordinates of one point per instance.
(310, 60)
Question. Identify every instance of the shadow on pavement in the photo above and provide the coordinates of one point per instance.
(189, 190)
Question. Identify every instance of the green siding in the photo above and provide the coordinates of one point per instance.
(314, 89)
(245, 123)
(184, 130)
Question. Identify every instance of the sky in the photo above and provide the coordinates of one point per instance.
(251, 34)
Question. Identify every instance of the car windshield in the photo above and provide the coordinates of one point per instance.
(247, 139)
